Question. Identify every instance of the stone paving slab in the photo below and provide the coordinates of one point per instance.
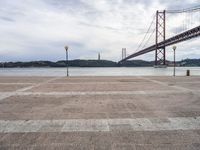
(19, 79)
(12, 87)
(191, 85)
(109, 86)
(83, 80)
(100, 106)
(178, 79)
(175, 140)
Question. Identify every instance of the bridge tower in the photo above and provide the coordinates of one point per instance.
(123, 53)
(160, 60)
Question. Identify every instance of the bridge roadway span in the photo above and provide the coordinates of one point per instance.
(187, 35)
(95, 113)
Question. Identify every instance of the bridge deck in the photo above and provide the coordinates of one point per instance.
(187, 35)
(100, 113)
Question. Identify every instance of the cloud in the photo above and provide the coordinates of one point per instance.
(39, 29)
(7, 19)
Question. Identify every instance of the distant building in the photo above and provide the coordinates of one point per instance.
(99, 56)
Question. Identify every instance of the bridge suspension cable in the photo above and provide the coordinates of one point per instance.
(149, 38)
(188, 18)
(192, 9)
(146, 34)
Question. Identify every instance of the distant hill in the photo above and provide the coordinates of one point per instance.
(62, 63)
(190, 62)
(88, 63)
(96, 63)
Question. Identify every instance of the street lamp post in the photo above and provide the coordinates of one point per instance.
(174, 48)
(67, 62)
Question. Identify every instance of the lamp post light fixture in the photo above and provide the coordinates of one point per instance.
(67, 61)
(174, 48)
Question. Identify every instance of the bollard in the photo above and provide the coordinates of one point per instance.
(188, 73)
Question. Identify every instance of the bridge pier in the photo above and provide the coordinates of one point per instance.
(160, 59)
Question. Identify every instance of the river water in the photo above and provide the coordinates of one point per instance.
(117, 71)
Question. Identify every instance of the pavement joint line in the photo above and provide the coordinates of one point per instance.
(37, 85)
(5, 95)
(33, 146)
(166, 84)
(94, 83)
(26, 88)
(100, 125)
(17, 83)
(8, 94)
(89, 83)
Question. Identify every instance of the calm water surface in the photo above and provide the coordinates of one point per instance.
(122, 71)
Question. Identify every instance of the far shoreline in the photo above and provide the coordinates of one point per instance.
(95, 64)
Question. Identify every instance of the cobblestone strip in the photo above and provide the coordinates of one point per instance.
(4, 95)
(104, 125)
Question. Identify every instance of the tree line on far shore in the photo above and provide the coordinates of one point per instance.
(96, 63)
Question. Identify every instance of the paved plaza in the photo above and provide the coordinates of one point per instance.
(100, 113)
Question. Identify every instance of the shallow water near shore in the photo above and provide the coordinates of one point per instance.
(111, 71)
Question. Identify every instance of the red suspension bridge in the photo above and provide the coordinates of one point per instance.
(160, 34)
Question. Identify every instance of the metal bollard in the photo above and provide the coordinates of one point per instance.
(188, 73)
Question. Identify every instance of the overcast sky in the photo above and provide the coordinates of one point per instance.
(39, 29)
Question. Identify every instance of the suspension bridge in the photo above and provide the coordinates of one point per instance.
(189, 28)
